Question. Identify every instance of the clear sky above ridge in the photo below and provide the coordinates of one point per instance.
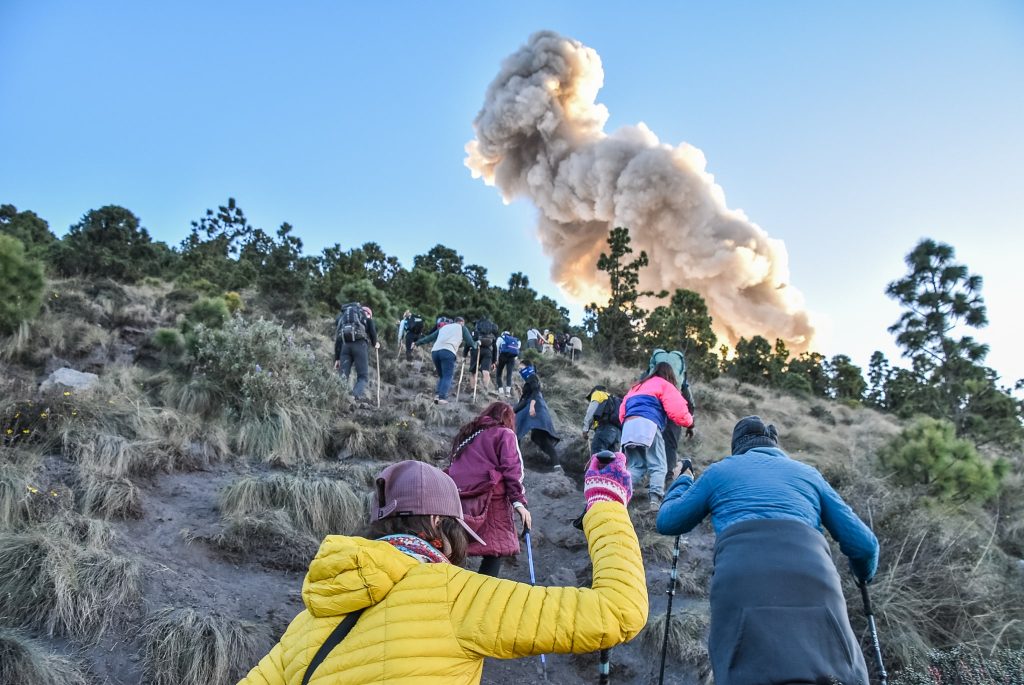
(847, 129)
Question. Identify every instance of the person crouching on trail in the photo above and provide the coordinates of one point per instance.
(533, 416)
(447, 339)
(777, 608)
(643, 413)
(354, 333)
(419, 618)
(602, 417)
(486, 465)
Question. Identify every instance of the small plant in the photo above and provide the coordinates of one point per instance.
(687, 640)
(210, 312)
(820, 412)
(318, 505)
(24, 661)
(234, 302)
(185, 646)
(960, 666)
(110, 498)
(170, 342)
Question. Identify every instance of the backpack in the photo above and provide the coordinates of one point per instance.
(608, 412)
(414, 325)
(675, 359)
(351, 324)
(486, 332)
(509, 345)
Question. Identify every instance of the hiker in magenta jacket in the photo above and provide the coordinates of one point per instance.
(643, 413)
(488, 469)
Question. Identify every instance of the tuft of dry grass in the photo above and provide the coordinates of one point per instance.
(280, 543)
(185, 646)
(25, 661)
(287, 435)
(61, 578)
(687, 639)
(316, 504)
(110, 498)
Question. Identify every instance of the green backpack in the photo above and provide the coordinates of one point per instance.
(675, 359)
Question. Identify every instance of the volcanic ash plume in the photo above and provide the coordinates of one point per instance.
(540, 135)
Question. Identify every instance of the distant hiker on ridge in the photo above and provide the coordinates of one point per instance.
(533, 340)
(533, 417)
(774, 576)
(486, 465)
(398, 609)
(485, 332)
(354, 331)
(447, 339)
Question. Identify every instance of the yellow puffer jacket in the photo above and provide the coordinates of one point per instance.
(435, 623)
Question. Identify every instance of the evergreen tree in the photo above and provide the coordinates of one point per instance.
(21, 284)
(685, 325)
(26, 227)
(212, 251)
(809, 366)
(752, 362)
(878, 378)
(846, 382)
(108, 242)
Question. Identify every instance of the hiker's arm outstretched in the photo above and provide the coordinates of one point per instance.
(855, 539)
(506, 619)
(686, 504)
(428, 338)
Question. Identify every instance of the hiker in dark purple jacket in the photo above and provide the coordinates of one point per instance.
(488, 468)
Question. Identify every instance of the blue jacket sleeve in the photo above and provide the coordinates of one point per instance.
(855, 539)
(686, 504)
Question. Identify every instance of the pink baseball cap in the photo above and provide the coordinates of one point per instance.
(413, 488)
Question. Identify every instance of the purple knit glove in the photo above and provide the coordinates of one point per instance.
(608, 483)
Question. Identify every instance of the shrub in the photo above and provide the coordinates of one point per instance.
(62, 579)
(21, 285)
(170, 341)
(234, 302)
(928, 453)
(211, 312)
(961, 666)
(276, 391)
(184, 646)
(318, 505)
(25, 661)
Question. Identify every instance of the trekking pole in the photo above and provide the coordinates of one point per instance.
(683, 465)
(476, 374)
(377, 352)
(533, 581)
(462, 372)
(883, 677)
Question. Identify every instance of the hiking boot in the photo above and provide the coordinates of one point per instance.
(655, 503)
(559, 470)
(440, 401)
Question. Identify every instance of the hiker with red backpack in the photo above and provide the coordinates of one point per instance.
(643, 413)
(354, 332)
(486, 464)
(447, 339)
(602, 418)
(508, 352)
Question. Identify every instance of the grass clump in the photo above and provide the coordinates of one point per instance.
(960, 666)
(110, 498)
(24, 661)
(185, 646)
(280, 543)
(315, 504)
(61, 578)
(687, 639)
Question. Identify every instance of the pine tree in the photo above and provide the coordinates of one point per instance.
(685, 325)
(21, 284)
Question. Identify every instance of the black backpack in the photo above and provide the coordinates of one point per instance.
(608, 412)
(486, 332)
(415, 325)
(351, 323)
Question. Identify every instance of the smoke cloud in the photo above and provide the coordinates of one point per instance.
(540, 135)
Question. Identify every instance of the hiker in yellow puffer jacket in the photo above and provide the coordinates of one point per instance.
(426, 620)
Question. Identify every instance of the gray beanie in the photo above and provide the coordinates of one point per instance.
(751, 432)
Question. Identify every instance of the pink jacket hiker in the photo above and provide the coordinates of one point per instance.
(489, 473)
(655, 399)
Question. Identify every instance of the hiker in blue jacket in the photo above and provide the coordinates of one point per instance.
(777, 607)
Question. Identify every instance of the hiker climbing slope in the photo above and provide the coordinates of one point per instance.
(777, 608)
(602, 418)
(533, 417)
(643, 413)
(486, 465)
(354, 333)
(447, 339)
(508, 352)
(419, 618)
(485, 332)
(409, 330)
(672, 433)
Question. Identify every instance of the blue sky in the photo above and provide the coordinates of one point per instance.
(847, 129)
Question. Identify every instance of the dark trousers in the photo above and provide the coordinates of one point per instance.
(606, 437)
(409, 340)
(490, 566)
(444, 364)
(546, 443)
(506, 365)
(671, 433)
(356, 354)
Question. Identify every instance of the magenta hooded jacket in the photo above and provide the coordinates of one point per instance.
(489, 473)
